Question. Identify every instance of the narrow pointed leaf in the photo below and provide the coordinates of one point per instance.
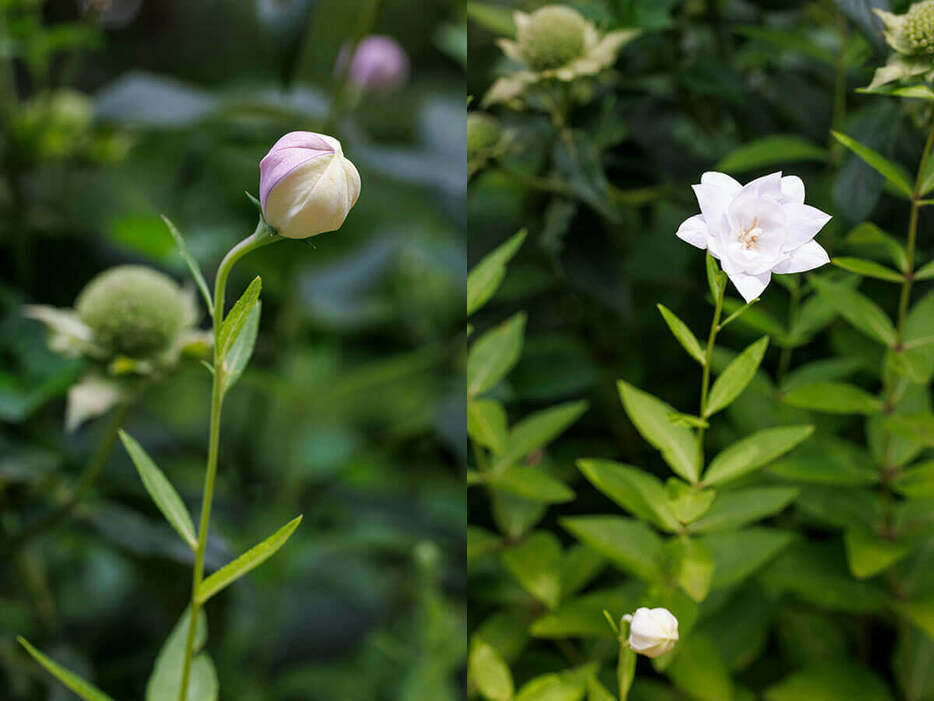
(166, 679)
(494, 354)
(191, 263)
(238, 315)
(488, 672)
(486, 424)
(161, 490)
(925, 272)
(890, 171)
(868, 268)
(538, 430)
(486, 276)
(834, 398)
(241, 350)
(684, 335)
(650, 416)
(733, 380)
(858, 309)
(82, 688)
(753, 452)
(252, 558)
(732, 509)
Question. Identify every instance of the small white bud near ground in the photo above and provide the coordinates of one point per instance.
(652, 632)
(306, 185)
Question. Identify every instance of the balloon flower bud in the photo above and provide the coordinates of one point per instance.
(919, 27)
(133, 310)
(306, 185)
(551, 36)
(652, 632)
(378, 63)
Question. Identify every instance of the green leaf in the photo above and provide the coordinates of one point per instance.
(570, 685)
(738, 313)
(768, 151)
(920, 612)
(238, 315)
(161, 491)
(531, 483)
(716, 278)
(494, 354)
(629, 544)
(536, 563)
(860, 311)
(81, 688)
(242, 348)
(694, 565)
(252, 558)
(683, 334)
(868, 234)
(918, 428)
(481, 542)
(738, 554)
(488, 672)
(925, 272)
(650, 416)
(868, 554)
(868, 268)
(687, 502)
(583, 616)
(826, 459)
(732, 381)
(486, 424)
(537, 430)
(890, 171)
(753, 452)
(738, 507)
(834, 398)
(754, 318)
(637, 491)
(166, 678)
(819, 371)
(493, 18)
(699, 669)
(917, 482)
(792, 40)
(486, 276)
(191, 263)
(830, 681)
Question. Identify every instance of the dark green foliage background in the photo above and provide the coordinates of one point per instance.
(704, 79)
(352, 409)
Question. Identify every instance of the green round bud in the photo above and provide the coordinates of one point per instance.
(133, 310)
(553, 36)
(918, 27)
(483, 133)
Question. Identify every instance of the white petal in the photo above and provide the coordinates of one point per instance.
(694, 231)
(749, 286)
(721, 180)
(713, 201)
(767, 186)
(803, 222)
(807, 257)
(793, 189)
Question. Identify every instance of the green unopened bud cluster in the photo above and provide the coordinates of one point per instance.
(553, 36)
(133, 310)
(918, 27)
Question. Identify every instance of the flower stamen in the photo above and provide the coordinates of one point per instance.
(749, 237)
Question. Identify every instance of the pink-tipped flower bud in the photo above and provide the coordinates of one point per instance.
(306, 185)
(379, 63)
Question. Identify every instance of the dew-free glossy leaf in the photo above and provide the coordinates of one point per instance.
(536, 563)
(868, 268)
(890, 171)
(684, 335)
(537, 430)
(493, 355)
(166, 678)
(637, 491)
(71, 680)
(486, 276)
(732, 381)
(868, 554)
(753, 452)
(859, 310)
(237, 316)
(834, 398)
(487, 671)
(628, 543)
(736, 508)
(242, 348)
(772, 150)
(830, 681)
(650, 416)
(531, 483)
(252, 558)
(161, 490)
(486, 424)
(192, 264)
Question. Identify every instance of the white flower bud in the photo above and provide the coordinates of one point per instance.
(652, 632)
(306, 185)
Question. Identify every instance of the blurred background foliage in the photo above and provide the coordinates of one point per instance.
(113, 112)
(745, 87)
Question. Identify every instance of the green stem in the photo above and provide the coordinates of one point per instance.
(784, 361)
(262, 236)
(705, 379)
(91, 472)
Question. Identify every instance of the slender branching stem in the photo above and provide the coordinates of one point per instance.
(705, 379)
(262, 236)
